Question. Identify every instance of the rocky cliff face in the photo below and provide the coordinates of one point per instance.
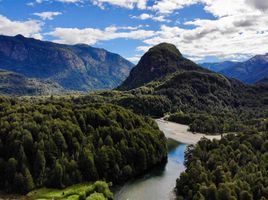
(75, 67)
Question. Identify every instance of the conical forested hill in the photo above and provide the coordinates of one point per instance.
(159, 61)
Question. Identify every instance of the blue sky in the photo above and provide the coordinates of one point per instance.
(203, 30)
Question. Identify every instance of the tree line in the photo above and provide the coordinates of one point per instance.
(217, 123)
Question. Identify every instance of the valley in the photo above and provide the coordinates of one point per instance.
(158, 184)
(145, 137)
(133, 100)
(181, 133)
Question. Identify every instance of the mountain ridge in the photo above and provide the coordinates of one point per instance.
(74, 67)
(250, 71)
(218, 66)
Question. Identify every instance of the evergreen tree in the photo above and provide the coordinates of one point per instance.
(39, 167)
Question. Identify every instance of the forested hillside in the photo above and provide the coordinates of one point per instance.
(64, 140)
(233, 168)
(263, 81)
(223, 104)
(217, 123)
(56, 143)
(160, 61)
(16, 84)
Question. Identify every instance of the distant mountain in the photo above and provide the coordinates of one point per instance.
(250, 71)
(74, 67)
(158, 62)
(217, 67)
(263, 81)
(15, 84)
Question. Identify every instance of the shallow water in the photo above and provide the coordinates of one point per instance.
(159, 183)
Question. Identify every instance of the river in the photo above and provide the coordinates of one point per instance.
(159, 183)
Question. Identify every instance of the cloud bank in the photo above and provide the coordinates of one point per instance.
(91, 36)
(239, 28)
(29, 28)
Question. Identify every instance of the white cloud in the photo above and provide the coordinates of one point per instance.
(62, 1)
(146, 16)
(47, 15)
(230, 37)
(195, 58)
(216, 7)
(129, 27)
(240, 29)
(29, 28)
(135, 58)
(69, 1)
(130, 4)
(168, 6)
(92, 36)
(34, 2)
(228, 7)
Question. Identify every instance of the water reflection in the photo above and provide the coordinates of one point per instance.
(160, 182)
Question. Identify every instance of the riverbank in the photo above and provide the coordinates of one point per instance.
(180, 132)
(159, 183)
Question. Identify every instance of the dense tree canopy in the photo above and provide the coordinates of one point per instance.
(218, 122)
(236, 167)
(55, 142)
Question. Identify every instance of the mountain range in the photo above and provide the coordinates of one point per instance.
(73, 67)
(188, 87)
(34, 67)
(219, 66)
(250, 71)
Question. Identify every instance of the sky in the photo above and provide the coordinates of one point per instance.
(203, 30)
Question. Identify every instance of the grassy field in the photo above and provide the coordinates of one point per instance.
(69, 193)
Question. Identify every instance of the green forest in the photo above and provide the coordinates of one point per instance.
(217, 123)
(233, 168)
(206, 101)
(56, 143)
(104, 138)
